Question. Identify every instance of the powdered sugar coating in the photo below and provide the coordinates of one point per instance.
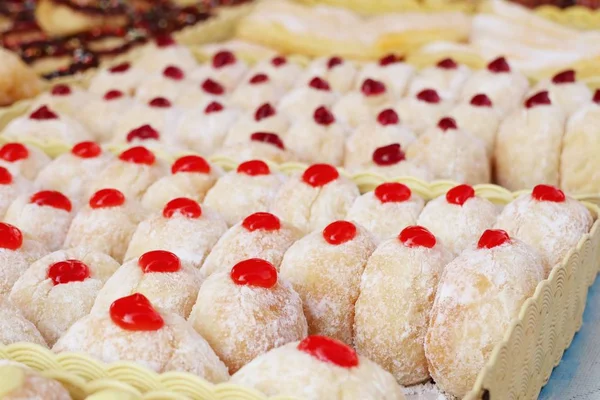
(355, 108)
(400, 169)
(447, 82)
(506, 90)
(157, 85)
(15, 327)
(568, 96)
(51, 131)
(246, 125)
(205, 133)
(396, 76)
(126, 81)
(341, 77)
(30, 166)
(481, 122)
(13, 263)
(229, 75)
(103, 128)
(286, 75)
(9, 192)
(66, 104)
(253, 150)
(19, 382)
(163, 120)
(419, 115)
(248, 96)
(304, 100)
(155, 58)
(311, 142)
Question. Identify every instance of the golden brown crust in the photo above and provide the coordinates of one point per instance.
(17, 80)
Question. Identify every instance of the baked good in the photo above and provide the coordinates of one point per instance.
(339, 73)
(165, 51)
(357, 107)
(224, 67)
(282, 71)
(123, 77)
(267, 146)
(11, 186)
(390, 162)
(303, 100)
(18, 81)
(565, 91)
(421, 111)
(110, 106)
(391, 70)
(22, 159)
(63, 99)
(257, 89)
(15, 327)
(447, 77)
(206, 91)
(168, 84)
(19, 382)
(265, 118)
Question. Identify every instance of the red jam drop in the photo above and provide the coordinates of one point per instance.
(43, 113)
(120, 68)
(320, 175)
(481, 100)
(223, 58)
(548, 193)
(447, 63)
(13, 152)
(253, 168)
(323, 116)
(160, 102)
(460, 194)
(212, 87)
(388, 117)
(107, 198)
(159, 261)
(113, 95)
(212, 107)
(390, 59)
(164, 41)
(135, 313)
(254, 272)
(278, 61)
(334, 62)
(52, 198)
(393, 192)
(144, 132)
(263, 221)
(5, 176)
(371, 87)
(264, 111)
(429, 96)
(567, 76)
(258, 79)
(539, 99)
(447, 123)
(86, 150)
(60, 90)
(187, 207)
(329, 350)
(596, 98)
(269, 138)
(499, 65)
(339, 232)
(11, 237)
(173, 72)
(417, 236)
(138, 155)
(319, 84)
(493, 238)
(191, 163)
(388, 155)
(68, 271)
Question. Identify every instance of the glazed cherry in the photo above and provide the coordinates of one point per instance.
(268, 137)
(388, 155)
(43, 113)
(144, 132)
(538, 99)
(254, 272)
(263, 221)
(460, 194)
(264, 111)
(52, 198)
(447, 63)
(320, 175)
(86, 150)
(120, 68)
(138, 155)
(417, 236)
(319, 84)
(499, 65)
(429, 96)
(388, 117)
(339, 232)
(223, 59)
(11, 237)
(253, 168)
(164, 41)
(258, 79)
(392, 192)
(329, 350)
(173, 72)
(212, 87)
(567, 76)
(191, 163)
(390, 59)
(371, 87)
(13, 152)
(481, 100)
(68, 271)
(61, 90)
(187, 207)
(5, 176)
(493, 238)
(334, 62)
(323, 116)
(160, 102)
(135, 313)
(548, 193)
(596, 98)
(447, 123)
(107, 198)
(159, 261)
(212, 107)
(113, 95)
(278, 61)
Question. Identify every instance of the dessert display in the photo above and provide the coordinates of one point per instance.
(22, 159)
(110, 105)
(11, 186)
(306, 98)
(357, 107)
(224, 68)
(123, 76)
(266, 146)
(392, 71)
(447, 78)
(15, 327)
(168, 84)
(17, 381)
(279, 69)
(565, 91)
(257, 90)
(265, 118)
(339, 73)
(420, 111)
(391, 161)
(18, 80)
(63, 99)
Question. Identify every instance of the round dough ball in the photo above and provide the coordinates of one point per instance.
(110, 106)
(15, 327)
(566, 91)
(339, 73)
(21, 159)
(359, 107)
(304, 100)
(391, 70)
(281, 70)
(446, 77)
(265, 118)
(390, 162)
(422, 111)
(19, 382)
(163, 52)
(11, 186)
(65, 99)
(123, 77)
(257, 90)
(257, 149)
(224, 67)
(168, 84)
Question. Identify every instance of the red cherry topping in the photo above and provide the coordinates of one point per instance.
(499, 65)
(164, 41)
(135, 313)
(263, 221)
(43, 113)
(279, 61)
(429, 96)
(493, 238)
(5, 176)
(371, 87)
(184, 206)
(447, 123)
(390, 59)
(213, 106)
(320, 175)
(61, 90)
(567, 76)
(254, 272)
(538, 99)
(388, 155)
(86, 150)
(392, 192)
(159, 102)
(173, 72)
(417, 236)
(107, 198)
(120, 68)
(447, 63)
(223, 58)
(323, 116)
(258, 78)
(596, 98)
(460, 194)
(11, 237)
(191, 163)
(159, 261)
(68, 271)
(334, 62)
(253, 168)
(481, 100)
(212, 87)
(329, 350)
(51, 198)
(13, 152)
(388, 117)
(267, 137)
(264, 111)
(339, 232)
(144, 132)
(113, 95)
(138, 155)
(319, 84)
(548, 193)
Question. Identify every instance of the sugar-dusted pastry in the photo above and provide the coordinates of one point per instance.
(58, 289)
(122, 77)
(263, 312)
(168, 83)
(267, 146)
(480, 293)
(250, 188)
(325, 268)
(447, 77)
(358, 107)
(224, 67)
(396, 295)
(106, 223)
(257, 89)
(164, 51)
(282, 71)
(260, 235)
(392, 71)
(110, 106)
(538, 128)
(317, 368)
(338, 72)
(11, 186)
(134, 330)
(265, 118)
(44, 216)
(19, 382)
(22, 159)
(15, 327)
(64, 99)
(421, 111)
(549, 221)
(386, 210)
(208, 90)
(311, 200)
(458, 218)
(303, 100)
(452, 153)
(19, 81)
(565, 91)
(390, 162)
(183, 227)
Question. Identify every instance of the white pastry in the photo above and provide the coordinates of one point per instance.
(11, 187)
(447, 77)
(22, 159)
(304, 100)
(264, 119)
(256, 90)
(566, 91)
(168, 83)
(392, 71)
(110, 106)
(362, 106)
(164, 51)
(122, 77)
(224, 67)
(338, 72)
(282, 71)
(422, 111)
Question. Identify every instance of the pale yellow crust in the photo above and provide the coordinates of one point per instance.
(17, 80)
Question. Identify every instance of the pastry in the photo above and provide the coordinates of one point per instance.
(11, 186)
(390, 162)
(16, 328)
(206, 91)
(565, 91)
(303, 100)
(18, 81)
(266, 118)
(169, 83)
(224, 67)
(164, 51)
(63, 99)
(123, 77)
(392, 71)
(256, 90)
(338, 72)
(282, 71)
(19, 382)
(447, 77)
(357, 107)
(266, 146)
(420, 112)
(22, 159)
(110, 106)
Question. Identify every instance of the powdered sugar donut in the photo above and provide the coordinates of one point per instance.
(390, 162)
(318, 368)
(271, 315)
(325, 268)
(110, 106)
(63, 99)
(282, 71)
(21, 159)
(390, 207)
(122, 77)
(19, 382)
(400, 278)
(549, 221)
(392, 71)
(304, 100)
(11, 186)
(362, 106)
(338, 72)
(133, 330)
(260, 235)
(164, 51)
(316, 197)
(479, 295)
(208, 90)
(168, 84)
(420, 112)
(224, 67)
(256, 90)
(262, 146)
(60, 288)
(248, 189)
(264, 119)
(15, 327)
(565, 91)
(447, 77)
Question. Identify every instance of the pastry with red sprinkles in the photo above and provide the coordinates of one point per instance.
(23, 159)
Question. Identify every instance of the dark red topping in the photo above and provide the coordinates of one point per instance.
(52, 198)
(329, 350)
(279, 61)
(263, 221)
(43, 113)
(268, 137)
(164, 41)
(334, 61)
(596, 98)
(187, 207)
(493, 238)
(213, 106)
(259, 78)
(254, 272)
(61, 90)
(388, 117)
(223, 58)
(11, 237)
(144, 132)
(173, 72)
(548, 193)
(460, 194)
(447, 123)
(447, 63)
(567, 76)
(138, 155)
(499, 65)
(390, 59)
(417, 236)
(212, 87)
(120, 68)
(107, 198)
(319, 84)
(5, 176)
(68, 271)
(113, 95)
(320, 175)
(388, 155)
(86, 150)
(159, 261)
(429, 96)
(191, 163)
(135, 313)
(264, 111)
(339, 232)
(253, 168)
(12, 152)
(393, 192)
(371, 87)
(160, 102)
(539, 99)
(323, 116)
(481, 100)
